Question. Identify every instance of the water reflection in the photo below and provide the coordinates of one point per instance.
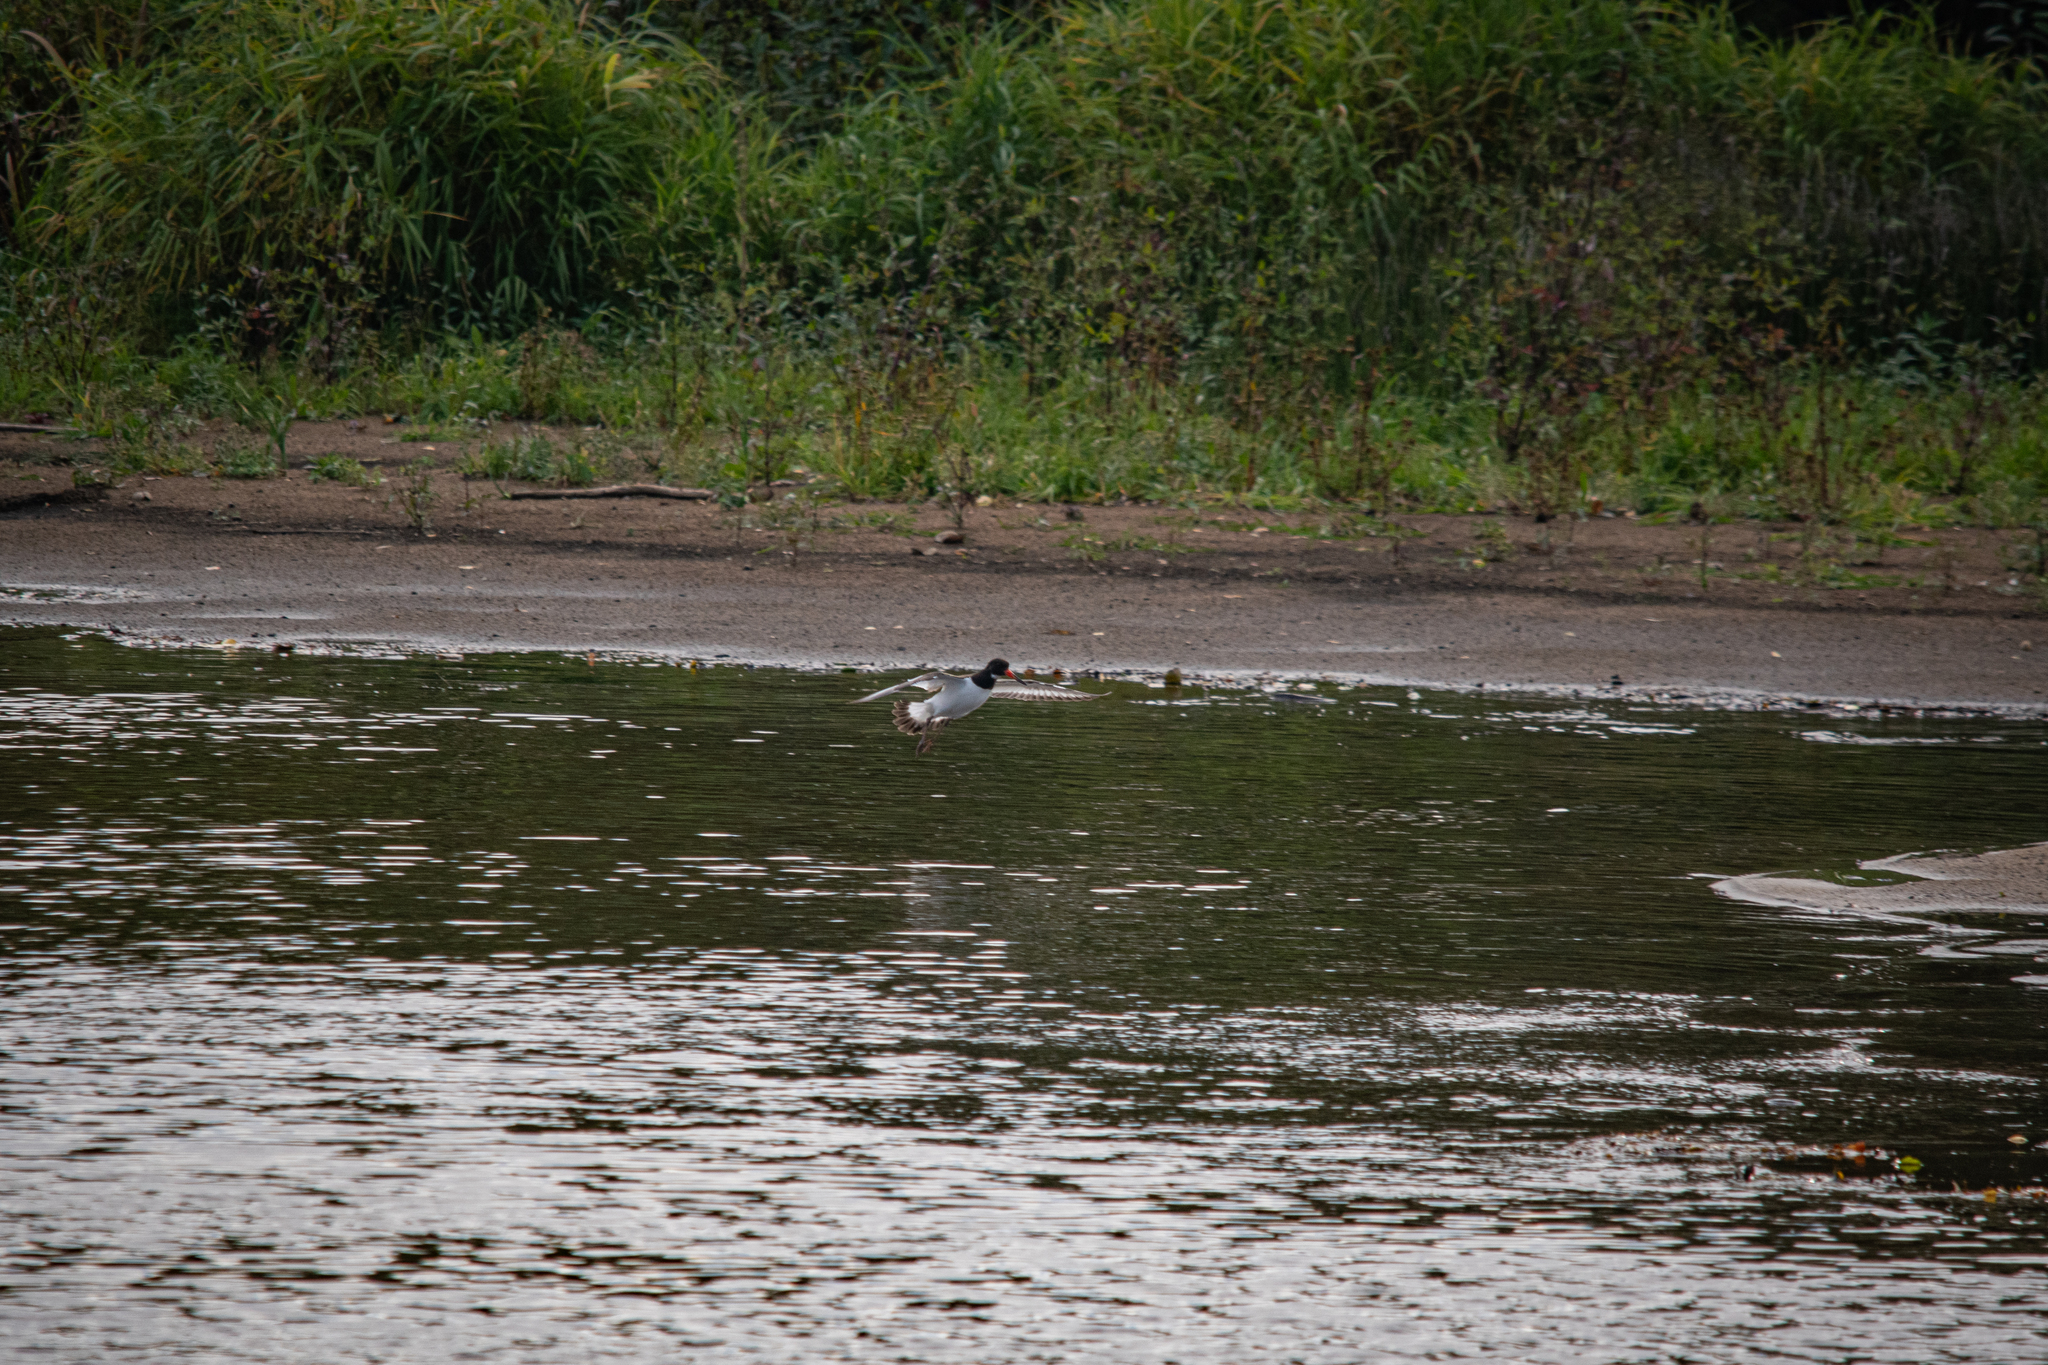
(403, 1011)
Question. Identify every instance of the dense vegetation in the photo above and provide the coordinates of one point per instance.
(1396, 253)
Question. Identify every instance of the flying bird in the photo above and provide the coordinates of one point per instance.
(954, 695)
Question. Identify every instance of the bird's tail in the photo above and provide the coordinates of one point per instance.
(910, 723)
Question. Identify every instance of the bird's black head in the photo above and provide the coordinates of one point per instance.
(997, 668)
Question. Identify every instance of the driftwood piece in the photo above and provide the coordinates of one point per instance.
(617, 490)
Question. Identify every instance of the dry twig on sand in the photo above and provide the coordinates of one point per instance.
(619, 490)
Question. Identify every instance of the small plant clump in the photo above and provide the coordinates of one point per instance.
(1492, 541)
(532, 456)
(343, 470)
(155, 440)
(415, 494)
(237, 456)
(269, 407)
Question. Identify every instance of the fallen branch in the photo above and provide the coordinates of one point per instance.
(617, 490)
(40, 431)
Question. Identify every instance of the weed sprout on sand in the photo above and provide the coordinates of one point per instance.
(270, 406)
(415, 494)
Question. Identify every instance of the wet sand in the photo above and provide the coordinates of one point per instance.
(1603, 608)
(2007, 881)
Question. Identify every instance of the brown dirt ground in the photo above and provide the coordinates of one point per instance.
(1786, 611)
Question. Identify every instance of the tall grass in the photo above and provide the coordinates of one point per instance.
(474, 159)
(468, 162)
(1378, 250)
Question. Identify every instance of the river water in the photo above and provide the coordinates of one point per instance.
(523, 1010)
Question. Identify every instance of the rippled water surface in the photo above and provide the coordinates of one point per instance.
(519, 1010)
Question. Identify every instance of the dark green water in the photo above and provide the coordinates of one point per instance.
(516, 1010)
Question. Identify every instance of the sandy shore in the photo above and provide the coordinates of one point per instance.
(1608, 608)
(2004, 882)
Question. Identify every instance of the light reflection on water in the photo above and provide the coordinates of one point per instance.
(513, 1011)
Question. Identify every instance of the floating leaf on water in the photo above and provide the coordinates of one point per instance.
(1908, 1164)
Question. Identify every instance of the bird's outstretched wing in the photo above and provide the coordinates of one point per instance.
(1018, 689)
(930, 682)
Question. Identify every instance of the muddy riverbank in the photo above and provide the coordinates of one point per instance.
(1611, 606)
